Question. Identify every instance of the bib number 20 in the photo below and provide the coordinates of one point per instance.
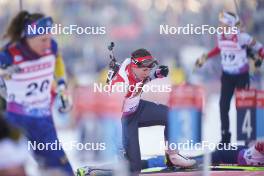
(34, 87)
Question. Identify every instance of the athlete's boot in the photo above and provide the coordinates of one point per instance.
(173, 158)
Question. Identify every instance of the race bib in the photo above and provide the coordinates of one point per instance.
(29, 91)
(234, 58)
(233, 61)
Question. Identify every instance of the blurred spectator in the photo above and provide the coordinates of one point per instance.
(13, 153)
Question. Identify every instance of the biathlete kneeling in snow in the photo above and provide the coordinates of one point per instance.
(29, 63)
(135, 71)
(235, 65)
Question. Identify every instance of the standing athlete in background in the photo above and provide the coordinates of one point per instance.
(29, 63)
(136, 71)
(235, 64)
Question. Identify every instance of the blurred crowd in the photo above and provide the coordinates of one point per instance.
(134, 24)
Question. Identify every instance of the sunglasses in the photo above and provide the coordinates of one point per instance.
(31, 29)
(149, 63)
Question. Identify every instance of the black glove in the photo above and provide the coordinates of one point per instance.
(162, 71)
(258, 63)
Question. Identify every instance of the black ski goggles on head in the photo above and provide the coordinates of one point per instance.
(144, 62)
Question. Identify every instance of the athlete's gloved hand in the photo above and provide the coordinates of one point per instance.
(258, 62)
(200, 61)
(162, 71)
(65, 99)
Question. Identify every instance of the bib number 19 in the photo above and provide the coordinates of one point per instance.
(229, 57)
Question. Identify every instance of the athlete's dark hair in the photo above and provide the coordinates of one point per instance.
(140, 53)
(17, 24)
